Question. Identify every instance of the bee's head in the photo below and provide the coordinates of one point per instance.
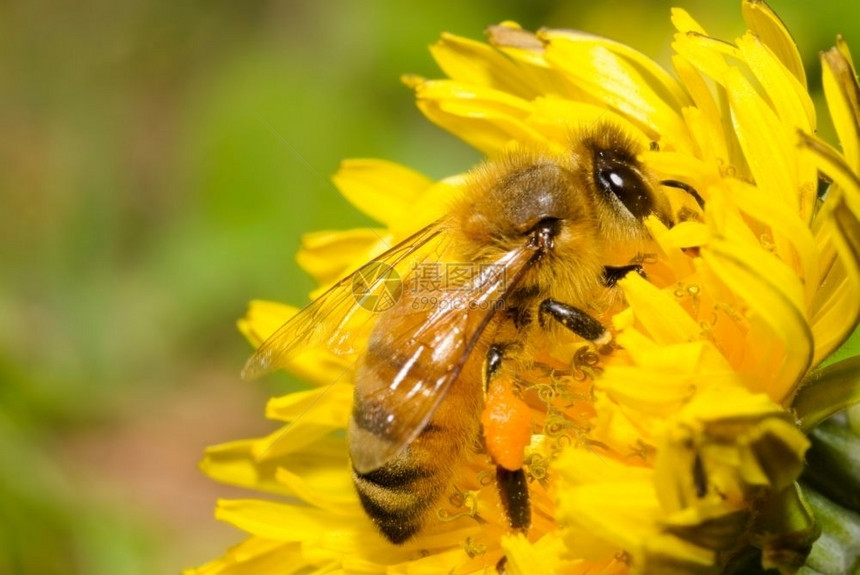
(597, 191)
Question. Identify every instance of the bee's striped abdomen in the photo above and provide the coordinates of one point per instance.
(399, 479)
(397, 495)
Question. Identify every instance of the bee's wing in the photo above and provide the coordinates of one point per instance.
(392, 411)
(323, 321)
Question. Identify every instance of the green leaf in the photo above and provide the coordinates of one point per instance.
(849, 349)
(827, 391)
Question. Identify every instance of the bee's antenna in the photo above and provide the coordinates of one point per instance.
(687, 188)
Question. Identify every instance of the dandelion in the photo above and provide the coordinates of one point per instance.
(682, 449)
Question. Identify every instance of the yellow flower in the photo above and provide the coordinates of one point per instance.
(681, 449)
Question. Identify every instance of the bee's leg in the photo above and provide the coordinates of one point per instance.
(495, 356)
(507, 430)
(612, 274)
(514, 493)
(576, 320)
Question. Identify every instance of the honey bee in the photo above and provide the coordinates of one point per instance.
(433, 382)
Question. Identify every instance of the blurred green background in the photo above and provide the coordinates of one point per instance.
(158, 162)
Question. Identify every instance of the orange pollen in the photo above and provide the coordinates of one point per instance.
(507, 424)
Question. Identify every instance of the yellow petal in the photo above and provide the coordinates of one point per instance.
(589, 549)
(265, 519)
(654, 392)
(329, 406)
(688, 234)
(326, 536)
(792, 104)
(698, 357)
(766, 144)
(727, 405)
(241, 463)
(708, 56)
(525, 558)
(716, 527)
(704, 53)
(765, 24)
(837, 313)
(263, 319)
(317, 365)
(524, 48)
(838, 318)
(703, 121)
(328, 256)
(773, 454)
(564, 122)
(674, 469)
(233, 463)
(582, 466)
(664, 553)
(293, 437)
(664, 378)
(773, 293)
(614, 82)
(843, 100)
(724, 220)
(471, 62)
(256, 555)
(658, 313)
(683, 22)
(624, 513)
(792, 238)
(720, 445)
(381, 189)
(668, 240)
(787, 94)
(619, 428)
(330, 491)
(684, 168)
(485, 118)
(442, 562)
(697, 88)
(654, 75)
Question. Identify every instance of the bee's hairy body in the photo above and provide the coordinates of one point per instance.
(572, 211)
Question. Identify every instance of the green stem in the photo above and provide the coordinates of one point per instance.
(833, 463)
(837, 550)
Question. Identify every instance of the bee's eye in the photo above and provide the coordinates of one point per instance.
(621, 182)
